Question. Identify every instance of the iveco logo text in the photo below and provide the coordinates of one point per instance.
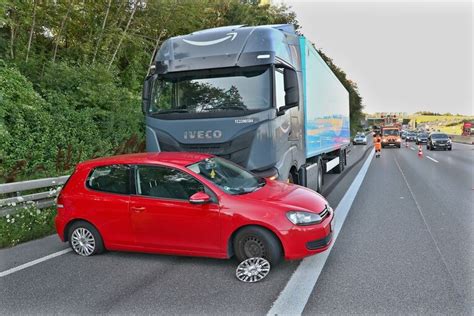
(209, 134)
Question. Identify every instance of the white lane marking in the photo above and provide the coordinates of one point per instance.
(412, 148)
(432, 159)
(292, 300)
(34, 262)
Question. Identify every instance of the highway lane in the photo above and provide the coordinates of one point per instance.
(406, 246)
(123, 283)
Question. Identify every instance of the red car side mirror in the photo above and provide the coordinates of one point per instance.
(200, 198)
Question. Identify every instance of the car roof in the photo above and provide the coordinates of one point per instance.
(165, 158)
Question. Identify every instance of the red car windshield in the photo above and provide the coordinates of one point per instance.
(229, 177)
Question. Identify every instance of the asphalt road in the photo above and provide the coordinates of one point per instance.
(404, 248)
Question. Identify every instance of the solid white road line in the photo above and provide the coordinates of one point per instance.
(34, 262)
(432, 159)
(292, 300)
(412, 148)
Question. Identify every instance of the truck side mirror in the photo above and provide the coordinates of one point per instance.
(291, 88)
(146, 94)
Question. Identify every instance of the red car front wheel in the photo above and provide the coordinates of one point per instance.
(257, 242)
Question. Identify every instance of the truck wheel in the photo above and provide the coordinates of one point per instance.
(340, 167)
(252, 242)
(291, 178)
(320, 179)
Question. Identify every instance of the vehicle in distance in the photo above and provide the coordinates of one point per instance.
(439, 141)
(403, 134)
(421, 138)
(260, 96)
(467, 129)
(391, 136)
(189, 204)
(360, 138)
(410, 137)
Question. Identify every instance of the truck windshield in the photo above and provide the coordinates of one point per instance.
(219, 90)
(390, 132)
(227, 176)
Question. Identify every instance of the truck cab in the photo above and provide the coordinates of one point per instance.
(237, 92)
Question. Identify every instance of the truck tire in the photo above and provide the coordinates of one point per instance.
(320, 179)
(340, 167)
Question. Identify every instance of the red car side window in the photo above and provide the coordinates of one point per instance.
(112, 179)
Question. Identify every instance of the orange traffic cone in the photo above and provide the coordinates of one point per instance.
(420, 151)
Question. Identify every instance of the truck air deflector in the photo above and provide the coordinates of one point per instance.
(226, 47)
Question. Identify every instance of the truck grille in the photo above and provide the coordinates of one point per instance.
(236, 150)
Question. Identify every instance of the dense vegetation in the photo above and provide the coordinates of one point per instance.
(71, 73)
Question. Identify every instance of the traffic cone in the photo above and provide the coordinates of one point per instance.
(420, 151)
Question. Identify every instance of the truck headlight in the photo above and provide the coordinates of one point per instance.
(303, 218)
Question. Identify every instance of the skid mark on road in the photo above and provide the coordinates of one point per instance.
(292, 300)
(34, 262)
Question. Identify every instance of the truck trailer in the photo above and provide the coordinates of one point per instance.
(260, 96)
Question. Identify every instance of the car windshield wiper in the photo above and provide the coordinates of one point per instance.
(226, 106)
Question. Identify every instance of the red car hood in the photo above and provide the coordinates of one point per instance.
(291, 196)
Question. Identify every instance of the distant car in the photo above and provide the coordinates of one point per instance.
(439, 141)
(421, 138)
(403, 134)
(360, 139)
(410, 137)
(189, 204)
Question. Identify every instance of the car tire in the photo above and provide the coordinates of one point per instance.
(450, 148)
(255, 241)
(85, 239)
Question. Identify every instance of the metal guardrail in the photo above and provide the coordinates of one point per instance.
(463, 139)
(40, 200)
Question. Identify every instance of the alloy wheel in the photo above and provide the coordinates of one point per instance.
(252, 270)
(83, 241)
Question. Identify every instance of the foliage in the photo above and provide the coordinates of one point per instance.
(75, 111)
(28, 224)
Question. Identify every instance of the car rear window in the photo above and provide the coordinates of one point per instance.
(112, 179)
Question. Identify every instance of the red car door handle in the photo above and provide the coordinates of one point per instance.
(138, 209)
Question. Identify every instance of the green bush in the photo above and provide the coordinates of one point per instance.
(28, 224)
(72, 114)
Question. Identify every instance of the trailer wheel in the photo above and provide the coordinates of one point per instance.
(320, 179)
(340, 167)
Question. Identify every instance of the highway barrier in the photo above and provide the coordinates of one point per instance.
(462, 139)
(13, 197)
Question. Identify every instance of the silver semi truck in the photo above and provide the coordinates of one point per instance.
(260, 96)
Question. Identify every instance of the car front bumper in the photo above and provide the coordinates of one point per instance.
(303, 241)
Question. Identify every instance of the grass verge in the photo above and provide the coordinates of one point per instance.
(28, 224)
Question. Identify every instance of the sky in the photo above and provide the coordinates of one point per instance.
(404, 56)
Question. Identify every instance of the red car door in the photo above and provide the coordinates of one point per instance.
(105, 203)
(163, 218)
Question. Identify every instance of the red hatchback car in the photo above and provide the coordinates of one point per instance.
(189, 204)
